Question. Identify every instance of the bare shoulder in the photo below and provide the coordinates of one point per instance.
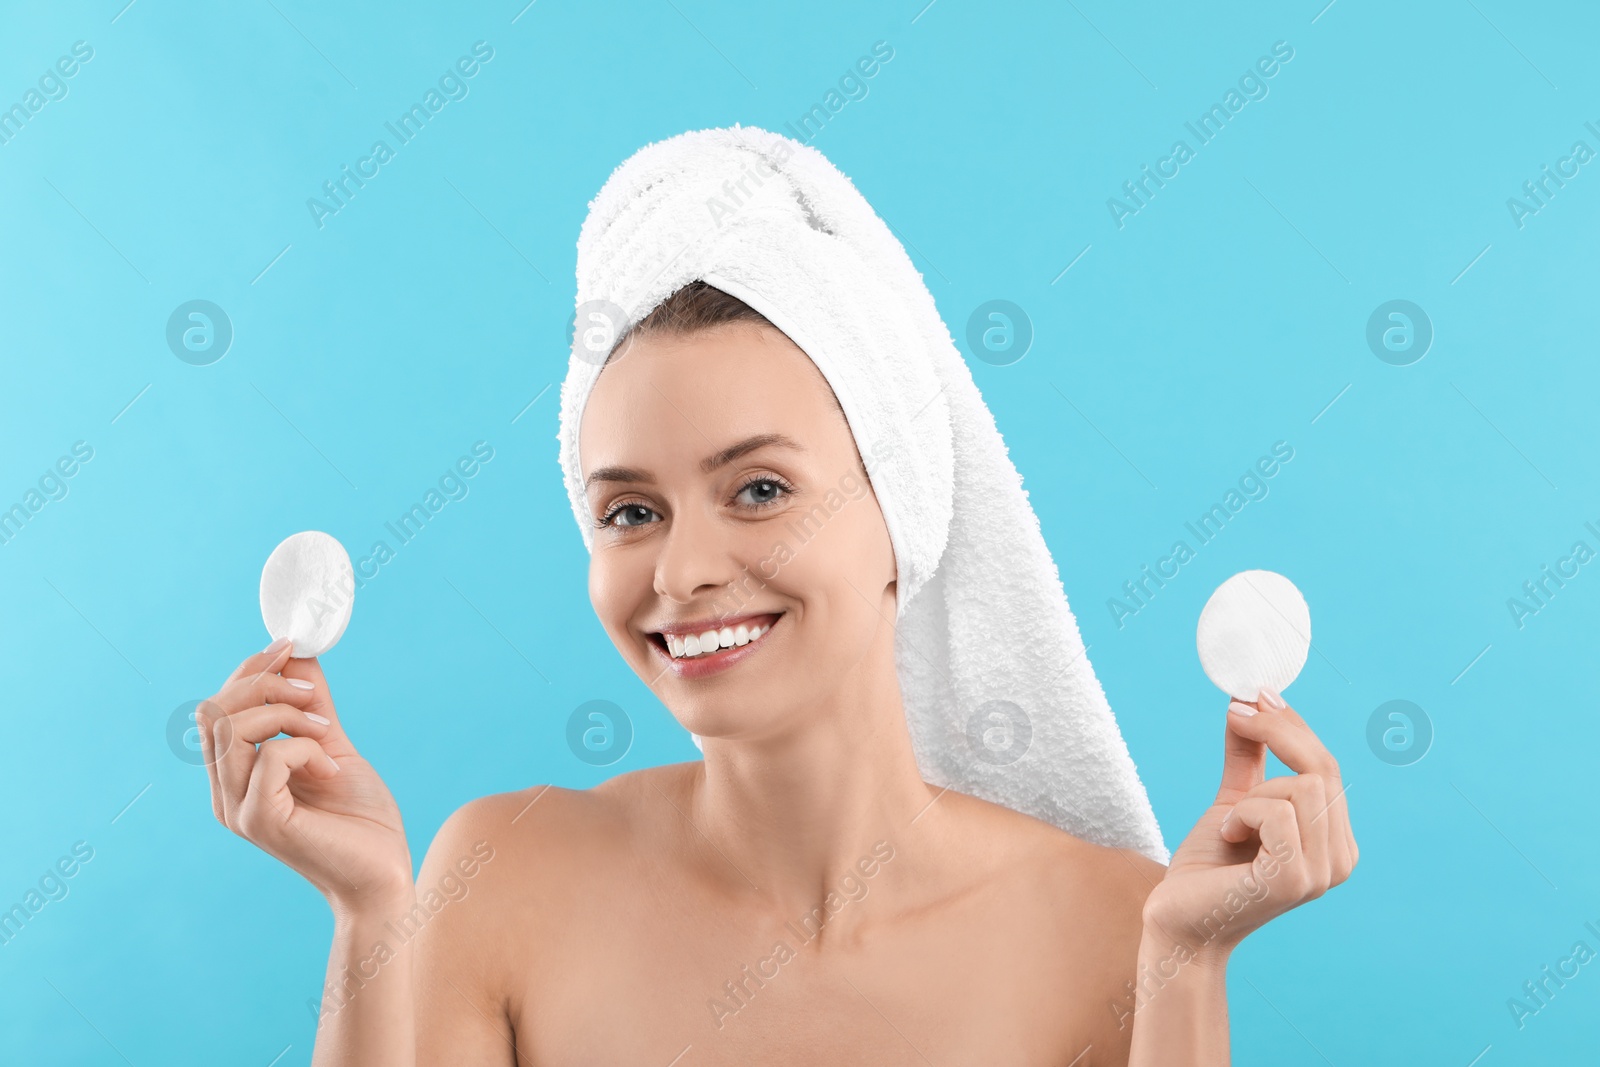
(514, 869)
(486, 854)
(548, 834)
(1065, 874)
(1053, 918)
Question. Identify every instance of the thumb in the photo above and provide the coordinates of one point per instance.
(1244, 762)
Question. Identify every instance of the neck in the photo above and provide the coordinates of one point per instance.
(796, 810)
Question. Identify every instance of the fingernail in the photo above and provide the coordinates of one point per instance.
(1226, 819)
(277, 646)
(317, 718)
(1272, 698)
(334, 762)
(300, 683)
(1241, 709)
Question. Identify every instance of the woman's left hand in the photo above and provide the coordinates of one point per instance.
(1264, 846)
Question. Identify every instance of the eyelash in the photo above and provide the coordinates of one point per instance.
(621, 506)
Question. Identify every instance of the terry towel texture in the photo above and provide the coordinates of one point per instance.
(1000, 699)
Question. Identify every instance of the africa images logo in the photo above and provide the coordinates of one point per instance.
(452, 85)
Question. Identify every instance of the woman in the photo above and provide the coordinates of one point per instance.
(805, 893)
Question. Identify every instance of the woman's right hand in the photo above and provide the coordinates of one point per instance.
(308, 799)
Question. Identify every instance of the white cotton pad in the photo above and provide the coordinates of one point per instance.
(1254, 634)
(307, 590)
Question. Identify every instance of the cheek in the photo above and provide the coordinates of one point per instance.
(845, 564)
(864, 542)
(618, 582)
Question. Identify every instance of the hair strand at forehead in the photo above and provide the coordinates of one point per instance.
(697, 306)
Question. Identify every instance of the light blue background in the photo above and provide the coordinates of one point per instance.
(1224, 316)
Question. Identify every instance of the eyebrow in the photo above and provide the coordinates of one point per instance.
(711, 463)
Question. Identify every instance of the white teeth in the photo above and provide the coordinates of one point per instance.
(712, 640)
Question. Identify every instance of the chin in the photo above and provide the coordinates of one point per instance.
(732, 716)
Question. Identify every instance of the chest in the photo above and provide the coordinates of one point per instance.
(674, 981)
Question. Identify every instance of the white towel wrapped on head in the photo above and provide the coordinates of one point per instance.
(1000, 699)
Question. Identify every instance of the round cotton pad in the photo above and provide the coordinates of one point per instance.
(307, 590)
(1254, 634)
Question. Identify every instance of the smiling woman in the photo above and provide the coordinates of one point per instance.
(705, 327)
(843, 686)
(708, 446)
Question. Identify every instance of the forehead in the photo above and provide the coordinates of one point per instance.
(671, 396)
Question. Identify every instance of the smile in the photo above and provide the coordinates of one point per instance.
(710, 641)
(695, 649)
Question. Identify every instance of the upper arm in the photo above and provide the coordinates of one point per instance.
(1123, 880)
(1113, 885)
(461, 1001)
(1143, 875)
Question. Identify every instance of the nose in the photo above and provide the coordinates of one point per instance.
(697, 557)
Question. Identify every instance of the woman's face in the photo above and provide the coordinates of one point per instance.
(729, 497)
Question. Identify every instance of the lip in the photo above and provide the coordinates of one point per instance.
(700, 626)
(722, 659)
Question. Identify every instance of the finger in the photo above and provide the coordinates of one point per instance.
(1244, 756)
(268, 659)
(319, 700)
(1273, 699)
(266, 687)
(1341, 838)
(1280, 860)
(235, 737)
(267, 805)
(1286, 734)
(1308, 751)
(1309, 795)
(1279, 863)
(206, 714)
(255, 725)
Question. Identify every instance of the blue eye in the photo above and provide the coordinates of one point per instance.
(628, 515)
(764, 491)
(759, 492)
